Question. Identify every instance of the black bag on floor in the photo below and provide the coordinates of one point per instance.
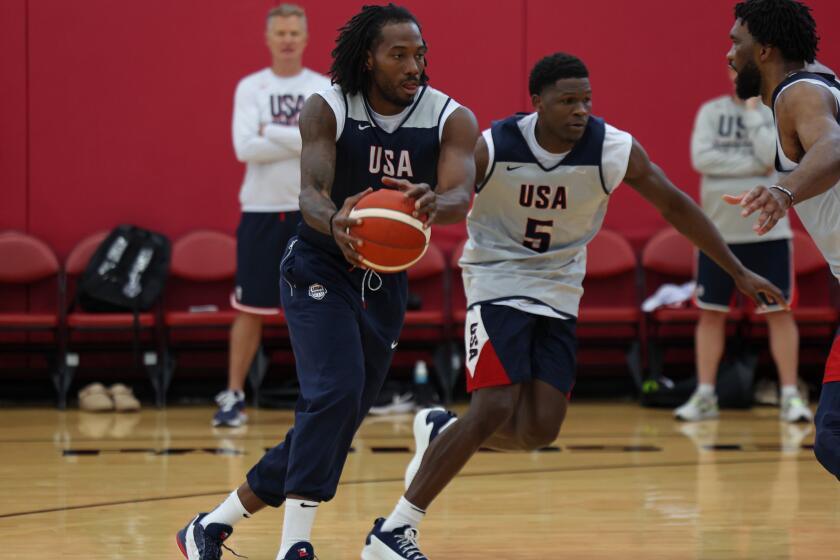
(734, 386)
(126, 273)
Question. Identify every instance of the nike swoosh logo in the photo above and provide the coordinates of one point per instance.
(308, 506)
(364, 126)
(394, 344)
(512, 167)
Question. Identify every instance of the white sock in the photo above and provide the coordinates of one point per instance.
(706, 390)
(229, 512)
(404, 514)
(297, 524)
(790, 391)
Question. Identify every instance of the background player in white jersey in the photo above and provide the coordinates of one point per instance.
(544, 183)
(266, 138)
(733, 146)
(345, 321)
(773, 42)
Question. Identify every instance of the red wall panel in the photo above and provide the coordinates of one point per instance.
(131, 111)
(13, 114)
(130, 107)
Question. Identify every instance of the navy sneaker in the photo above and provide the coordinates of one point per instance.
(202, 543)
(399, 544)
(301, 551)
(428, 423)
(231, 411)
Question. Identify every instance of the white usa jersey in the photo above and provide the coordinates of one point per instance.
(820, 214)
(533, 216)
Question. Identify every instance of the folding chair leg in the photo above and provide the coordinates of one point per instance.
(159, 367)
(63, 376)
(655, 357)
(634, 365)
(256, 374)
(445, 367)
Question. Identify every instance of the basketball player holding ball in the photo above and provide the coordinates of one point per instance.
(379, 125)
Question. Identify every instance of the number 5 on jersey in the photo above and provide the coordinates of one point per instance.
(538, 234)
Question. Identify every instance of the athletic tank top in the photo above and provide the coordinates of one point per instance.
(529, 224)
(365, 152)
(820, 214)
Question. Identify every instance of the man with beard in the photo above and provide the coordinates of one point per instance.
(345, 321)
(733, 146)
(544, 182)
(773, 42)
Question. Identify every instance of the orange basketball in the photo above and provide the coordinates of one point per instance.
(393, 238)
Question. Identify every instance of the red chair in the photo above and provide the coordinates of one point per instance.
(609, 326)
(31, 304)
(427, 328)
(198, 313)
(109, 332)
(668, 257)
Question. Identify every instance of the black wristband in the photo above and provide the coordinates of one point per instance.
(331, 223)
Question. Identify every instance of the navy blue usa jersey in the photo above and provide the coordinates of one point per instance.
(369, 147)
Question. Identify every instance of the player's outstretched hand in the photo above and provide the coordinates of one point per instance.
(772, 205)
(760, 290)
(340, 225)
(425, 198)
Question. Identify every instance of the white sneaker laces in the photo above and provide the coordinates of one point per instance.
(226, 400)
(407, 543)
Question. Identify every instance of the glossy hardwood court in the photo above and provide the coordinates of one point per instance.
(622, 482)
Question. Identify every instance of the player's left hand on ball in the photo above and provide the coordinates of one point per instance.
(771, 204)
(760, 290)
(341, 224)
(425, 199)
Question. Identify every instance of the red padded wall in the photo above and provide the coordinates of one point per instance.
(13, 115)
(129, 105)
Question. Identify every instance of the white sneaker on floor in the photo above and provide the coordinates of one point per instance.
(428, 423)
(699, 407)
(795, 409)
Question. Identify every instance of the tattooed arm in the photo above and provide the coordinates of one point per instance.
(317, 171)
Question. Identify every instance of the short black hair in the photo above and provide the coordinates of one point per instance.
(359, 36)
(555, 67)
(784, 24)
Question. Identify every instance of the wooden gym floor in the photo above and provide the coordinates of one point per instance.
(622, 482)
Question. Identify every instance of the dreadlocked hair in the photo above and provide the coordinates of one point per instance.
(784, 24)
(359, 36)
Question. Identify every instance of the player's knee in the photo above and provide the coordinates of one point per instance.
(489, 412)
(540, 436)
(345, 402)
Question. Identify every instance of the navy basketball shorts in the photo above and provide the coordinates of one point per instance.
(344, 325)
(827, 420)
(261, 239)
(771, 259)
(506, 346)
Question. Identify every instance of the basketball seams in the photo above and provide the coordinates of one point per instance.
(395, 215)
(400, 268)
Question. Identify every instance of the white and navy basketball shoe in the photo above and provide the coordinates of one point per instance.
(428, 424)
(300, 551)
(399, 544)
(202, 543)
(231, 413)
